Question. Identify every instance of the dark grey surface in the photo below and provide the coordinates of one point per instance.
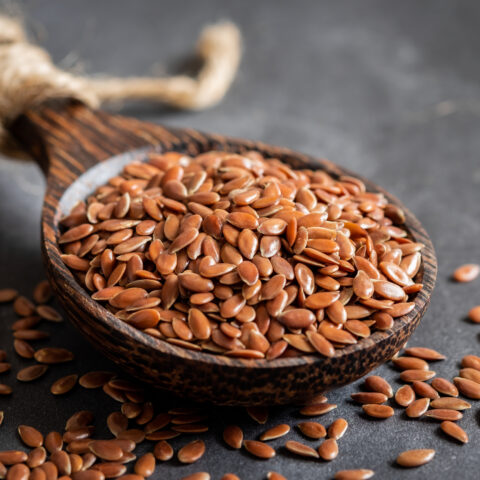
(388, 89)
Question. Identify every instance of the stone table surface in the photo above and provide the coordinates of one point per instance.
(388, 89)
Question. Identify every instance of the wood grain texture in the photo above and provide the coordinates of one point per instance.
(70, 139)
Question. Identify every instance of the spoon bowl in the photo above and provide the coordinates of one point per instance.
(80, 149)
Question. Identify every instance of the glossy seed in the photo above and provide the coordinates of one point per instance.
(450, 403)
(191, 452)
(301, 449)
(425, 353)
(466, 273)
(405, 396)
(64, 385)
(444, 414)
(454, 431)
(417, 408)
(29, 374)
(378, 411)
(467, 387)
(328, 450)
(357, 474)
(275, 432)
(30, 436)
(338, 428)
(312, 430)
(416, 375)
(259, 449)
(415, 458)
(369, 397)
(163, 451)
(145, 465)
(379, 384)
(317, 410)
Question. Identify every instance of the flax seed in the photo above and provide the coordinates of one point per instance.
(415, 458)
(358, 474)
(312, 430)
(454, 431)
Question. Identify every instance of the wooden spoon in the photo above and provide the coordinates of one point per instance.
(80, 149)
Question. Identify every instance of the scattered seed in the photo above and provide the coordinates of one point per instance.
(416, 375)
(369, 397)
(425, 353)
(191, 452)
(338, 428)
(405, 396)
(163, 451)
(451, 403)
(8, 295)
(312, 429)
(379, 384)
(418, 408)
(259, 449)
(328, 450)
(378, 411)
(444, 414)
(275, 432)
(316, 410)
(64, 385)
(30, 436)
(301, 449)
(415, 458)
(29, 374)
(453, 430)
(467, 387)
(358, 474)
(442, 385)
(466, 273)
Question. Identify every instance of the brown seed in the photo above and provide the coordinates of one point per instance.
(379, 384)
(471, 374)
(405, 396)
(450, 403)
(12, 457)
(415, 458)
(369, 397)
(53, 442)
(5, 389)
(417, 408)
(80, 419)
(423, 389)
(410, 363)
(233, 436)
(358, 474)
(321, 300)
(23, 348)
(145, 465)
(97, 475)
(163, 451)
(328, 450)
(53, 355)
(30, 436)
(275, 432)
(110, 469)
(191, 452)
(272, 476)
(259, 449)
(197, 476)
(316, 410)
(467, 387)
(425, 353)
(466, 273)
(8, 295)
(61, 459)
(378, 411)
(18, 472)
(444, 414)
(49, 313)
(453, 430)
(23, 306)
(442, 385)
(259, 414)
(95, 379)
(106, 450)
(312, 429)
(36, 457)
(301, 449)
(64, 385)
(28, 374)
(297, 318)
(474, 314)
(471, 361)
(416, 375)
(338, 428)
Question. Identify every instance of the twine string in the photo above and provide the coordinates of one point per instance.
(28, 77)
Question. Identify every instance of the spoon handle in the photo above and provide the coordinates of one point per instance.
(68, 138)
